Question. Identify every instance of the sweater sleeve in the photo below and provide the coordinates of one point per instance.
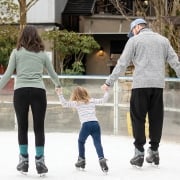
(66, 103)
(9, 71)
(51, 71)
(122, 63)
(173, 59)
(101, 100)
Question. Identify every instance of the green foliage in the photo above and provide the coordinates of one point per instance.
(9, 11)
(61, 44)
(8, 34)
(85, 44)
(171, 72)
(8, 38)
(62, 41)
(77, 69)
(70, 44)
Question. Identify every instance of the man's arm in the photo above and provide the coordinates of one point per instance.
(122, 63)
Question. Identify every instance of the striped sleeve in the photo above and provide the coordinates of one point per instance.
(101, 100)
(66, 103)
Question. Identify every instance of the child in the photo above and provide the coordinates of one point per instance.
(85, 106)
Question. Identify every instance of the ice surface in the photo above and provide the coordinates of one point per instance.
(61, 154)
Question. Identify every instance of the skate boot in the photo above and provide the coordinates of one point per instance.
(40, 166)
(80, 163)
(23, 164)
(103, 165)
(138, 158)
(153, 157)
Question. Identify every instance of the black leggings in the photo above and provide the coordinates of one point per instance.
(23, 99)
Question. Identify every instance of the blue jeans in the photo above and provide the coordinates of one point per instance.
(90, 128)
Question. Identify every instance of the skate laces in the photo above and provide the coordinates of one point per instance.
(103, 160)
(151, 152)
(22, 159)
(40, 162)
(103, 164)
(138, 153)
(80, 163)
(153, 156)
(23, 164)
(80, 159)
(40, 165)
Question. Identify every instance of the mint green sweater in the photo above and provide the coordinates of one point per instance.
(29, 67)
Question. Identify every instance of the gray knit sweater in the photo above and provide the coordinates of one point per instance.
(148, 51)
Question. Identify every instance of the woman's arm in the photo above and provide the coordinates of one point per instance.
(9, 71)
(51, 71)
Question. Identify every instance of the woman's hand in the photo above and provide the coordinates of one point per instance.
(58, 91)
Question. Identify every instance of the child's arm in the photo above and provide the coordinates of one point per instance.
(63, 101)
(103, 99)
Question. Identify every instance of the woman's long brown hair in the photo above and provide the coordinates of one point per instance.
(30, 39)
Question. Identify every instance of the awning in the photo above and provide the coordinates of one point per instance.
(79, 7)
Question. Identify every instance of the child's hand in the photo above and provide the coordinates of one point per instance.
(58, 91)
(105, 88)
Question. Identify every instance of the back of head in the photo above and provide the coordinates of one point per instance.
(134, 23)
(30, 39)
(80, 94)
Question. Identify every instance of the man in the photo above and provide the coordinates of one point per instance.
(149, 51)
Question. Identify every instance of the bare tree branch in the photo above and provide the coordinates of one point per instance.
(24, 7)
(119, 7)
(30, 4)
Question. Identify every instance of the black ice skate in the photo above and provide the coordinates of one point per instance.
(138, 158)
(80, 163)
(153, 157)
(23, 164)
(103, 165)
(40, 166)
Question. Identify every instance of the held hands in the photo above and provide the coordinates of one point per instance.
(104, 87)
(58, 91)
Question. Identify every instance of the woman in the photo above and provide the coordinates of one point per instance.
(29, 61)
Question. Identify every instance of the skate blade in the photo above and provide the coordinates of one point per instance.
(105, 172)
(137, 167)
(154, 165)
(105, 169)
(23, 173)
(80, 168)
(42, 175)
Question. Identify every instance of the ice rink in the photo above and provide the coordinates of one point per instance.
(61, 154)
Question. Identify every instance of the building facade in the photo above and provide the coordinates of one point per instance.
(103, 19)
